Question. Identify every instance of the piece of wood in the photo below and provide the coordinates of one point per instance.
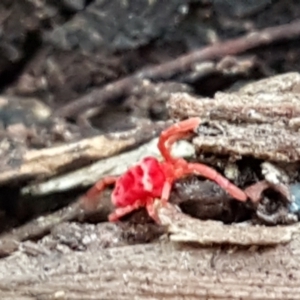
(183, 228)
(47, 162)
(112, 166)
(155, 271)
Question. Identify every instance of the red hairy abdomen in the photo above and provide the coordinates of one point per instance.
(146, 179)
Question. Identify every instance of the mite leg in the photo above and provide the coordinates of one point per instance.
(223, 182)
(177, 130)
(122, 211)
(89, 200)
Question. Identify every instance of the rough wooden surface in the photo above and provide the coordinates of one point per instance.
(58, 159)
(183, 228)
(154, 271)
(273, 100)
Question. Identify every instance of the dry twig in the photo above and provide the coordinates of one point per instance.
(115, 165)
(125, 86)
(52, 161)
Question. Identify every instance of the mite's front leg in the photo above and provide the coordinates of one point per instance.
(89, 200)
(223, 182)
(122, 211)
(173, 133)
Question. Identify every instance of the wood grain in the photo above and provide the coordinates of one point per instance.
(155, 271)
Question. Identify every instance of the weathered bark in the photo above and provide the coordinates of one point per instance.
(49, 161)
(156, 271)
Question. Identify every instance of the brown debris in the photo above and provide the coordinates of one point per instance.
(52, 161)
(260, 120)
(147, 101)
(262, 141)
(10, 242)
(231, 47)
(155, 271)
(125, 86)
(206, 200)
(182, 228)
(41, 226)
(250, 134)
(48, 162)
(87, 176)
(271, 213)
(272, 100)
